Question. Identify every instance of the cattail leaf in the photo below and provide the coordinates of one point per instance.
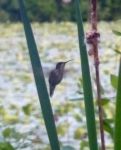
(117, 134)
(40, 80)
(87, 88)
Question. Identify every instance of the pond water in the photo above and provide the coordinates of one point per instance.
(20, 110)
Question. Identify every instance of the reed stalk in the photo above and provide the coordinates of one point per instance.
(92, 39)
(39, 80)
(87, 87)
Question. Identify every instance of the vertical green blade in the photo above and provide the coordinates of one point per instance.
(117, 137)
(40, 81)
(88, 96)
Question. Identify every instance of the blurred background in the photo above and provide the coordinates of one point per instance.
(53, 23)
(57, 10)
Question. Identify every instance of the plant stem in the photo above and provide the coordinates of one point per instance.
(99, 105)
(92, 39)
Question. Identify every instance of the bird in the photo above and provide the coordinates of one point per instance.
(56, 76)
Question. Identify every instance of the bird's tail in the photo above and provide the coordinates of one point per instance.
(52, 88)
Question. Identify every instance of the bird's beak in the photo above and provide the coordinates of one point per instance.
(68, 61)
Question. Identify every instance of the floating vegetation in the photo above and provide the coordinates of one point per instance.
(19, 106)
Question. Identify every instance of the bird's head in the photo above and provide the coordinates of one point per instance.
(61, 65)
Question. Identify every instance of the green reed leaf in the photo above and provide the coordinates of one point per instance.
(88, 96)
(117, 133)
(40, 80)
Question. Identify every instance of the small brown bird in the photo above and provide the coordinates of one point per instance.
(56, 76)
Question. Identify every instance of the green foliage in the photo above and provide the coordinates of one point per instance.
(42, 10)
(114, 81)
(107, 126)
(117, 51)
(37, 10)
(79, 132)
(4, 16)
(109, 9)
(117, 48)
(104, 101)
(62, 128)
(84, 145)
(117, 33)
(7, 132)
(27, 109)
(6, 146)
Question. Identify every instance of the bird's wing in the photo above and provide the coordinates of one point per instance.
(53, 77)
